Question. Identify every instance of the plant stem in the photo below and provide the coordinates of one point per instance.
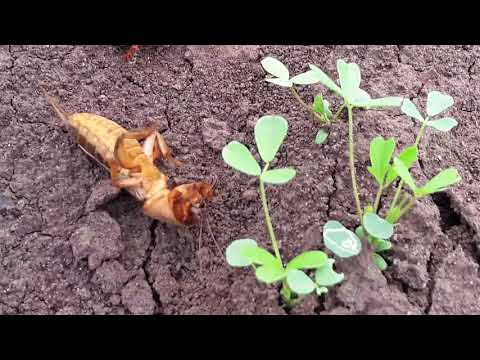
(305, 105)
(377, 198)
(352, 165)
(397, 195)
(400, 185)
(338, 112)
(268, 221)
(407, 207)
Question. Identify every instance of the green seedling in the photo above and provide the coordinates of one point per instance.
(385, 171)
(373, 228)
(402, 203)
(320, 107)
(270, 131)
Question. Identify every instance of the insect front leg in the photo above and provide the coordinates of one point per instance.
(155, 147)
(115, 169)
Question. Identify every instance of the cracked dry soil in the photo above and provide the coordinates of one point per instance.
(71, 244)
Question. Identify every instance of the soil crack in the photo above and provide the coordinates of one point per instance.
(146, 263)
(449, 217)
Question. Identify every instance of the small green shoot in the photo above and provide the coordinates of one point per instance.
(321, 137)
(281, 77)
(437, 103)
(270, 132)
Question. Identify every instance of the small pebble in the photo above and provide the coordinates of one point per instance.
(250, 195)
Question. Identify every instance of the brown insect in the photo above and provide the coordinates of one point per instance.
(130, 53)
(132, 167)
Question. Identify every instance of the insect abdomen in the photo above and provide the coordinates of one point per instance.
(96, 134)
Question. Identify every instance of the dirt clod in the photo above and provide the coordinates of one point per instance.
(137, 297)
(98, 239)
(102, 193)
(110, 276)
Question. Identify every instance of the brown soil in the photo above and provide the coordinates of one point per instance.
(70, 244)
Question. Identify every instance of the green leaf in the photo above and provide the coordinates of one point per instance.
(321, 290)
(360, 97)
(382, 245)
(409, 108)
(380, 262)
(408, 156)
(280, 82)
(234, 252)
(402, 170)
(321, 137)
(326, 276)
(341, 241)
(318, 105)
(278, 176)
(386, 102)
(393, 215)
(240, 158)
(308, 260)
(438, 102)
(307, 78)
(377, 227)
(440, 182)
(328, 112)
(257, 255)
(276, 68)
(270, 131)
(321, 106)
(299, 282)
(349, 77)
(325, 80)
(381, 152)
(360, 232)
(270, 273)
(444, 124)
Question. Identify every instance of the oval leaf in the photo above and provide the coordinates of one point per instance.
(438, 102)
(325, 80)
(308, 260)
(408, 157)
(307, 78)
(257, 255)
(280, 82)
(318, 105)
(386, 102)
(240, 158)
(269, 134)
(278, 176)
(380, 262)
(328, 112)
(270, 273)
(360, 97)
(381, 152)
(321, 137)
(445, 124)
(440, 182)
(349, 77)
(382, 245)
(299, 282)
(409, 108)
(326, 276)
(360, 232)
(275, 67)
(234, 252)
(377, 227)
(341, 241)
(402, 170)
